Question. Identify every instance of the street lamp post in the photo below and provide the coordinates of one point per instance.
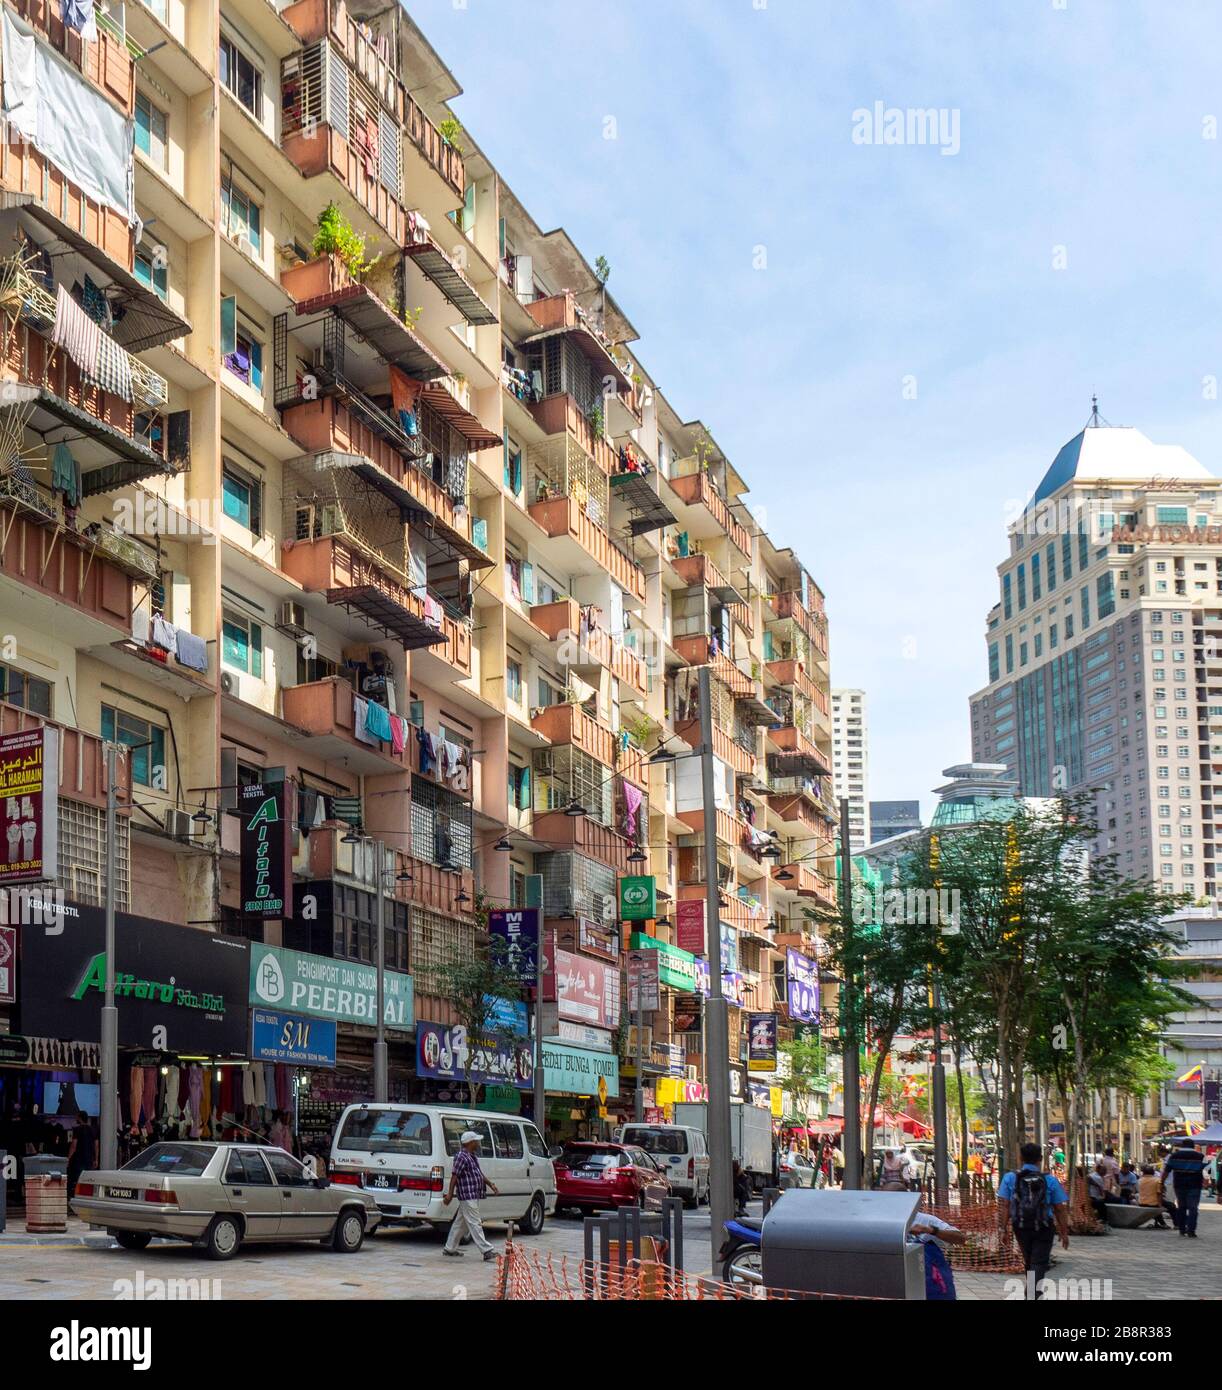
(941, 1148)
(108, 1109)
(852, 1063)
(380, 1080)
(717, 1055)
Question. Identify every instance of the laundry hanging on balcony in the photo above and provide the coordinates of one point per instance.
(405, 393)
(101, 360)
(78, 16)
(632, 804)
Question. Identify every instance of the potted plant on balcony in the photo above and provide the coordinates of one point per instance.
(339, 258)
(451, 131)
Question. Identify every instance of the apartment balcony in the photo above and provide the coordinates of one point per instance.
(793, 754)
(326, 711)
(793, 672)
(560, 414)
(561, 314)
(700, 651)
(314, 20)
(430, 159)
(339, 129)
(82, 759)
(725, 746)
(798, 808)
(699, 571)
(49, 392)
(804, 879)
(107, 63)
(583, 835)
(708, 513)
(349, 578)
(730, 830)
(562, 518)
(62, 580)
(812, 625)
(588, 646)
(569, 723)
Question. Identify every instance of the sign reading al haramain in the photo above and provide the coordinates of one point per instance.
(267, 849)
(29, 803)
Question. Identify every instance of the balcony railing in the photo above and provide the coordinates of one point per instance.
(562, 516)
(589, 645)
(326, 709)
(444, 158)
(696, 489)
(82, 758)
(789, 605)
(569, 723)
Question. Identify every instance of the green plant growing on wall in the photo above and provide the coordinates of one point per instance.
(411, 317)
(451, 131)
(595, 417)
(334, 235)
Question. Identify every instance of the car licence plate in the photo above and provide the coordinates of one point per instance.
(127, 1192)
(381, 1181)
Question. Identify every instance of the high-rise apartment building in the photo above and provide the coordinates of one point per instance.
(1104, 670)
(889, 818)
(413, 530)
(851, 761)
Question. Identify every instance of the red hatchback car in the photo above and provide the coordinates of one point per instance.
(591, 1176)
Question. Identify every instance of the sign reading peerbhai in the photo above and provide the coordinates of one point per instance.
(324, 987)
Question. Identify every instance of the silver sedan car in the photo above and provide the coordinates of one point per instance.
(219, 1196)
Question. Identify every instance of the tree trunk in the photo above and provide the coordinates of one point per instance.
(963, 1174)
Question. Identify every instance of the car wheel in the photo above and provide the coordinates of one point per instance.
(349, 1233)
(132, 1240)
(532, 1223)
(223, 1238)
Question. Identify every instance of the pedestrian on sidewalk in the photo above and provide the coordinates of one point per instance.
(1038, 1209)
(1150, 1194)
(468, 1183)
(82, 1151)
(1186, 1167)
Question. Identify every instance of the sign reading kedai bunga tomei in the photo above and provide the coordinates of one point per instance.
(267, 814)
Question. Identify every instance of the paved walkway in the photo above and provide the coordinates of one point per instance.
(1144, 1264)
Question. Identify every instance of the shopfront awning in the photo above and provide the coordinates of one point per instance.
(442, 271)
(472, 429)
(385, 613)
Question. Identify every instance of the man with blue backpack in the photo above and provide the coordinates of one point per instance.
(1038, 1209)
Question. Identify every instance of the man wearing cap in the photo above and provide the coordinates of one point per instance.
(467, 1183)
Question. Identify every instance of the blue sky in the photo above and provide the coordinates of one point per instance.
(1082, 126)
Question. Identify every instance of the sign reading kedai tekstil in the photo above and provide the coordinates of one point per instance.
(29, 801)
(267, 814)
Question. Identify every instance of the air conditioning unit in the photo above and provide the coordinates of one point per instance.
(293, 619)
(177, 824)
(229, 683)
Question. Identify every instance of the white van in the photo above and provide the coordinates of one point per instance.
(402, 1155)
(681, 1151)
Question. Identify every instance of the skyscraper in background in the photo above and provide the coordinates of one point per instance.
(851, 761)
(889, 818)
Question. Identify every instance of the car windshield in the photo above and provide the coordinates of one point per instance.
(387, 1131)
(183, 1160)
(657, 1141)
(593, 1158)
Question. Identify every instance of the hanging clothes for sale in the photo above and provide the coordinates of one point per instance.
(269, 1085)
(205, 1103)
(248, 1087)
(195, 1103)
(149, 1104)
(135, 1094)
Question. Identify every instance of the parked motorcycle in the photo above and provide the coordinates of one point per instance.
(741, 1255)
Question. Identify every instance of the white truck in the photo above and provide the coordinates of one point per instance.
(750, 1135)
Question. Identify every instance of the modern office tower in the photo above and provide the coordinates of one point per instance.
(1105, 676)
(889, 818)
(851, 761)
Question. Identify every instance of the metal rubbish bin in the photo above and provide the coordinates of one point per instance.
(46, 1193)
(820, 1241)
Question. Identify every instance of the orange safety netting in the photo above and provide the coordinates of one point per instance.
(524, 1275)
(991, 1247)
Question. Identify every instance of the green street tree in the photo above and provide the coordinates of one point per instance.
(474, 987)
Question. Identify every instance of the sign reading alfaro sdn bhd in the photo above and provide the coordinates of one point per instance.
(638, 898)
(29, 805)
(267, 815)
(177, 989)
(324, 987)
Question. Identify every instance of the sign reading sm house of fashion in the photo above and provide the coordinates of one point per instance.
(345, 990)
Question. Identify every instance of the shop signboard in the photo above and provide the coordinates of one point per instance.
(761, 1042)
(328, 987)
(29, 803)
(801, 987)
(585, 990)
(1211, 1101)
(580, 1035)
(505, 1099)
(689, 1013)
(689, 925)
(640, 1043)
(516, 929)
(177, 989)
(578, 1071)
(776, 1101)
(676, 1058)
(676, 969)
(738, 1082)
(267, 815)
(291, 1039)
(8, 965)
(644, 995)
(445, 1052)
(670, 1090)
(759, 1095)
(598, 938)
(507, 1016)
(638, 898)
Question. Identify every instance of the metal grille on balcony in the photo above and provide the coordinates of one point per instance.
(337, 501)
(576, 886)
(441, 825)
(564, 774)
(560, 467)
